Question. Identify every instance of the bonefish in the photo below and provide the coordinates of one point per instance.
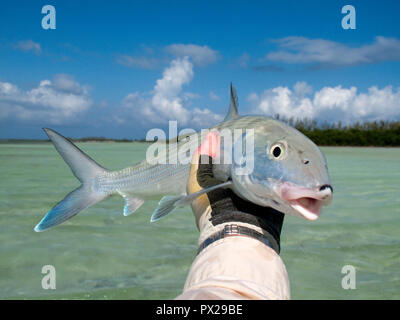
(289, 174)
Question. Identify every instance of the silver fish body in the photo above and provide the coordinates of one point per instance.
(295, 181)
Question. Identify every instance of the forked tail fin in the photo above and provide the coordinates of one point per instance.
(86, 170)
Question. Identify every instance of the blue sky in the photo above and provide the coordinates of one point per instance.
(119, 68)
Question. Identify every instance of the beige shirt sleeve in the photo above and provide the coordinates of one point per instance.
(237, 267)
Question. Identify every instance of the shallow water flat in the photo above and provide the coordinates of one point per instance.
(101, 254)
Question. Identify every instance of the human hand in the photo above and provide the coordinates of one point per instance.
(223, 205)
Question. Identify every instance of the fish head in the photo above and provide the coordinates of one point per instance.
(288, 173)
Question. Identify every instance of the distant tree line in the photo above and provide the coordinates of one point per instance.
(103, 139)
(85, 139)
(370, 133)
(373, 133)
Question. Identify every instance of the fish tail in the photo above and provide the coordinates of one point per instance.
(86, 170)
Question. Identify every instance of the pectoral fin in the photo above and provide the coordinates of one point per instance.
(132, 203)
(165, 206)
(168, 203)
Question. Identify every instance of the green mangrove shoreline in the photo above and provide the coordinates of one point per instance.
(366, 134)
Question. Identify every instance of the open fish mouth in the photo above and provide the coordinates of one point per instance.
(307, 202)
(309, 208)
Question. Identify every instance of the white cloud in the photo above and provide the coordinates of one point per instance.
(281, 100)
(66, 83)
(325, 53)
(152, 59)
(28, 45)
(200, 55)
(51, 102)
(301, 88)
(204, 118)
(167, 101)
(329, 103)
(213, 96)
(137, 62)
(244, 60)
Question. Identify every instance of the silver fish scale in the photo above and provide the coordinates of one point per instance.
(131, 179)
(151, 180)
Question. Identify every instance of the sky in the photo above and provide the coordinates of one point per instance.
(120, 68)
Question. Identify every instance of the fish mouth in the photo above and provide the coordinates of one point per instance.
(309, 208)
(308, 202)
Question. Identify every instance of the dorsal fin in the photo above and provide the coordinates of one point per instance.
(233, 107)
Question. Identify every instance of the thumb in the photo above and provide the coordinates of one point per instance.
(201, 164)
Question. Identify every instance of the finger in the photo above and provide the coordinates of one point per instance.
(202, 162)
(210, 146)
(205, 174)
(193, 185)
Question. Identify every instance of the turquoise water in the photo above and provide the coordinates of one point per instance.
(100, 254)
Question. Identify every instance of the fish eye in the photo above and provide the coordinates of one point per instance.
(277, 150)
